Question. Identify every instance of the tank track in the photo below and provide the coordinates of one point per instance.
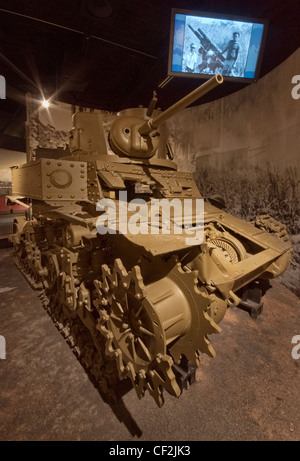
(78, 338)
(27, 273)
(271, 225)
(92, 342)
(119, 347)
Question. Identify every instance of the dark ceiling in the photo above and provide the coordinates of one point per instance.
(112, 54)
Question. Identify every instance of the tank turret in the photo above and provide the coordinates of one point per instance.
(135, 267)
(132, 137)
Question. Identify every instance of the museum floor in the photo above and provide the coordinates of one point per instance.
(250, 391)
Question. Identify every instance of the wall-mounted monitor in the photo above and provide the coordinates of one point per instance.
(204, 44)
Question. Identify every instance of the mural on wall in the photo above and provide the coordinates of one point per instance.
(245, 148)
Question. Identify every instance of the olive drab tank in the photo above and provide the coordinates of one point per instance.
(137, 300)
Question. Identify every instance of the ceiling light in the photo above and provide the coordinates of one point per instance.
(45, 103)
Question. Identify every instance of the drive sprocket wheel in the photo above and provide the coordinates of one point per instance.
(51, 270)
(148, 328)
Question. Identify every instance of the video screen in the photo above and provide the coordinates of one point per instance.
(204, 45)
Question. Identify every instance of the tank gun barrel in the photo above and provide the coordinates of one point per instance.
(154, 123)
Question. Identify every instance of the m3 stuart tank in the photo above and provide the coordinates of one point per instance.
(137, 299)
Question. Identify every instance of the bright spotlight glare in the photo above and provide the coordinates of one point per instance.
(45, 103)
